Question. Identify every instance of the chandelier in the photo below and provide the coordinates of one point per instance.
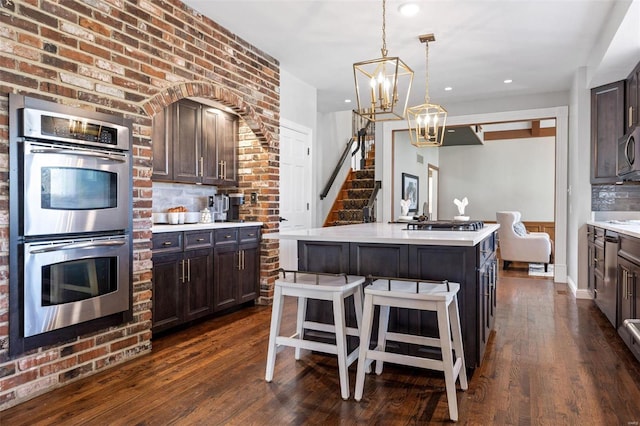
(426, 121)
(382, 85)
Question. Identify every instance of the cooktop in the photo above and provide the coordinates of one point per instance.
(445, 225)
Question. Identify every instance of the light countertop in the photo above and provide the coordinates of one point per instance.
(387, 233)
(626, 227)
(157, 228)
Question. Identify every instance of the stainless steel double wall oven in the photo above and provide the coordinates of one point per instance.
(70, 222)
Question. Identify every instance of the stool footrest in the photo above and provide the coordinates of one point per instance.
(328, 328)
(413, 339)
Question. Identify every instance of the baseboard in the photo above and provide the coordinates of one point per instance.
(581, 293)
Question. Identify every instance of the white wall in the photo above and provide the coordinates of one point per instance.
(579, 190)
(515, 174)
(406, 158)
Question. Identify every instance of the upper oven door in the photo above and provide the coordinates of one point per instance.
(74, 190)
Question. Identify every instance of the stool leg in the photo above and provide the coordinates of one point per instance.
(276, 317)
(447, 359)
(341, 343)
(382, 335)
(302, 315)
(454, 315)
(365, 339)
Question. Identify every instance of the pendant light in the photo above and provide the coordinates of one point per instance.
(427, 121)
(383, 84)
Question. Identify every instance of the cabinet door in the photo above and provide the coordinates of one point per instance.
(484, 308)
(161, 146)
(633, 99)
(607, 126)
(186, 141)
(210, 123)
(627, 286)
(198, 285)
(227, 149)
(225, 272)
(321, 256)
(248, 275)
(383, 260)
(167, 292)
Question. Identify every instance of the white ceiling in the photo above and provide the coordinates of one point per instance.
(479, 43)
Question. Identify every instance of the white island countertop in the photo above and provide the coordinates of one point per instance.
(387, 233)
(157, 228)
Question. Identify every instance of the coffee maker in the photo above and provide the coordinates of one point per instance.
(220, 205)
(235, 201)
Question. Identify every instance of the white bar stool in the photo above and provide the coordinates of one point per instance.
(440, 297)
(309, 285)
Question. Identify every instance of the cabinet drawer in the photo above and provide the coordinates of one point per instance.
(167, 241)
(249, 235)
(487, 248)
(198, 239)
(226, 236)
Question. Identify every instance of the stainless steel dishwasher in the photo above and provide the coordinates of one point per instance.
(606, 296)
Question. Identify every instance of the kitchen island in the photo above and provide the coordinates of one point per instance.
(393, 250)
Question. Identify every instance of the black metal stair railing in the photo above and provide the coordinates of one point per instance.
(362, 133)
(369, 211)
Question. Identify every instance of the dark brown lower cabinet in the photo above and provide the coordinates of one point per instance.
(195, 274)
(628, 289)
(473, 267)
(236, 267)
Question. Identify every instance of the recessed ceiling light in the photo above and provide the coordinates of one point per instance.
(451, 130)
(507, 81)
(448, 88)
(409, 9)
(347, 101)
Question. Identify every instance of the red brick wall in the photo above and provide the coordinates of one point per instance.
(130, 58)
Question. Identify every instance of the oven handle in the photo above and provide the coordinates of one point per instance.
(73, 246)
(104, 156)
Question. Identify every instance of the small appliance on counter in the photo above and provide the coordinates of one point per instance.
(219, 205)
(235, 201)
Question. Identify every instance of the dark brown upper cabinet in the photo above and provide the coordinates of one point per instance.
(195, 143)
(632, 103)
(607, 126)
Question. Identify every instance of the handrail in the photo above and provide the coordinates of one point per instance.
(367, 211)
(361, 133)
(341, 161)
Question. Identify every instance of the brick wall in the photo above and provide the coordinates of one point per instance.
(130, 58)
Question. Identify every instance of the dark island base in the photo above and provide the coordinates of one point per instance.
(475, 268)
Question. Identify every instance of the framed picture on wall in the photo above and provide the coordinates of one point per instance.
(410, 191)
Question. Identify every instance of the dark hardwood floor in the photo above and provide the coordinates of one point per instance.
(552, 360)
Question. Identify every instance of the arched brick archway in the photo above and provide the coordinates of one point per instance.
(264, 178)
(219, 94)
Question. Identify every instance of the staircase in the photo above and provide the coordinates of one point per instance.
(354, 195)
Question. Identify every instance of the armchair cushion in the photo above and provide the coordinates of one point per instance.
(532, 247)
(520, 229)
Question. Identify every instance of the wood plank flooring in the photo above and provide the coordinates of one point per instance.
(552, 360)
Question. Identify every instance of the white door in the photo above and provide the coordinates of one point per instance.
(295, 187)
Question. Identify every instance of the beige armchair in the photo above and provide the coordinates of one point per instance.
(518, 245)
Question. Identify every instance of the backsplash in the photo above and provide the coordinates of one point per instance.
(193, 197)
(616, 197)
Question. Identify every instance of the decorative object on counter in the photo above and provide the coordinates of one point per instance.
(427, 121)
(159, 217)
(382, 85)
(404, 207)
(461, 206)
(176, 215)
(205, 216)
(410, 185)
(191, 217)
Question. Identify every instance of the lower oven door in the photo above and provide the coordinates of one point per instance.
(67, 282)
(70, 190)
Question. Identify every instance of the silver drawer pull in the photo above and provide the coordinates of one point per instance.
(227, 236)
(252, 235)
(167, 243)
(200, 240)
